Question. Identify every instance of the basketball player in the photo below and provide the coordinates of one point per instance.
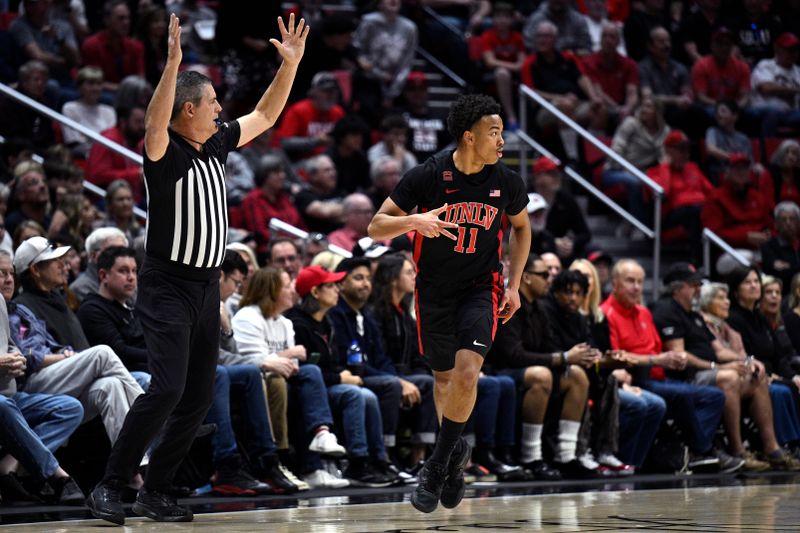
(460, 294)
(184, 170)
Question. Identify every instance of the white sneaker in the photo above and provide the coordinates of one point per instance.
(609, 460)
(325, 443)
(301, 485)
(321, 479)
(587, 460)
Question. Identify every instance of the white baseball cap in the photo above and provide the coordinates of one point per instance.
(536, 202)
(35, 250)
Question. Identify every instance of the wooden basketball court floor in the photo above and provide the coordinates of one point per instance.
(746, 505)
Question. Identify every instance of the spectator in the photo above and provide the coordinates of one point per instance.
(553, 265)
(722, 139)
(698, 30)
(736, 210)
(639, 27)
(25, 230)
(697, 409)
(151, 31)
(447, 33)
(395, 281)
(100, 239)
(45, 38)
(780, 255)
(756, 30)
(596, 16)
(119, 210)
(93, 375)
(72, 221)
(385, 174)
(393, 143)
(87, 111)
(354, 403)
(267, 337)
(776, 87)
(615, 77)
(640, 141)
(355, 329)
(34, 425)
(284, 253)
(133, 91)
(319, 203)
(197, 30)
(503, 52)
(784, 167)
(524, 349)
(719, 75)
(348, 155)
(105, 165)
(557, 77)
(252, 154)
(248, 255)
(306, 125)
(386, 43)
(572, 31)
(791, 318)
(427, 128)
(686, 189)
(112, 50)
(270, 200)
(329, 47)
(565, 221)
(21, 121)
(666, 80)
(32, 200)
(357, 213)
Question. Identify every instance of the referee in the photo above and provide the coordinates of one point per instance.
(178, 302)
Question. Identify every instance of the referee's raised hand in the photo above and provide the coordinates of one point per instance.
(431, 226)
(294, 40)
(174, 52)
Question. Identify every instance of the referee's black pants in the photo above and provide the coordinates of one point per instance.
(179, 312)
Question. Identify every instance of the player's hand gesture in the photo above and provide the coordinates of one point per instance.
(508, 305)
(430, 225)
(294, 40)
(174, 52)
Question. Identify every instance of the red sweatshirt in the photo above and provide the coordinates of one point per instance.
(105, 166)
(733, 215)
(681, 187)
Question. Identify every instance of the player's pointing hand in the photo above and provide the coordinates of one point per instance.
(431, 226)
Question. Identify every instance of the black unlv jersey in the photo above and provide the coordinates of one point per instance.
(187, 210)
(476, 202)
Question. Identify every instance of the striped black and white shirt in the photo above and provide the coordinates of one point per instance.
(187, 212)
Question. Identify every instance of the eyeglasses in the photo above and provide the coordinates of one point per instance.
(544, 275)
(239, 282)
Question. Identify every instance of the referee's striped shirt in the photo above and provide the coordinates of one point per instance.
(187, 211)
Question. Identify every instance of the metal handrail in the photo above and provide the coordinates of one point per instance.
(447, 71)
(658, 192)
(66, 121)
(709, 238)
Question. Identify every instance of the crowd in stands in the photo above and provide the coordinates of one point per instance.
(320, 382)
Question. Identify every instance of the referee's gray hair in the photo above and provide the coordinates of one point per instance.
(709, 291)
(188, 88)
(786, 206)
(98, 238)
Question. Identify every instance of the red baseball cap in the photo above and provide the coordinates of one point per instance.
(544, 164)
(787, 40)
(416, 78)
(738, 158)
(676, 138)
(314, 276)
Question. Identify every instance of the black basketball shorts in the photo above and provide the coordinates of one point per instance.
(452, 321)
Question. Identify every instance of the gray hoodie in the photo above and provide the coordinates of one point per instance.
(8, 385)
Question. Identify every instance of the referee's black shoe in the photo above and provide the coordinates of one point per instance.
(426, 495)
(104, 502)
(454, 486)
(160, 507)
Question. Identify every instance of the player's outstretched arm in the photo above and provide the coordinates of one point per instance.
(520, 247)
(159, 110)
(391, 221)
(271, 105)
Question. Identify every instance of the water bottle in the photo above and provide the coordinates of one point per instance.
(355, 359)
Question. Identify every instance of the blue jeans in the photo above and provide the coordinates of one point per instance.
(362, 427)
(696, 408)
(389, 392)
(633, 190)
(308, 409)
(247, 380)
(639, 418)
(142, 378)
(425, 422)
(773, 118)
(784, 413)
(33, 426)
(494, 411)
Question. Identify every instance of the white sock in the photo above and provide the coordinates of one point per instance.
(567, 439)
(569, 138)
(531, 443)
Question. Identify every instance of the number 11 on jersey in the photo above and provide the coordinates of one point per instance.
(473, 236)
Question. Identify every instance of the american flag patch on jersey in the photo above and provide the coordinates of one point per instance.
(447, 175)
(494, 193)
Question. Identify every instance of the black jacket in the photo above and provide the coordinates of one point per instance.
(566, 218)
(111, 323)
(777, 249)
(525, 340)
(761, 341)
(399, 334)
(317, 337)
(567, 329)
(61, 322)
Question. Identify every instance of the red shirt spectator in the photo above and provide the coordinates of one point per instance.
(614, 75)
(632, 329)
(682, 186)
(737, 211)
(719, 75)
(505, 48)
(105, 165)
(258, 209)
(112, 50)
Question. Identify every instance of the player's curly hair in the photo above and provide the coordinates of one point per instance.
(467, 110)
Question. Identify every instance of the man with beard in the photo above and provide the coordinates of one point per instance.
(105, 165)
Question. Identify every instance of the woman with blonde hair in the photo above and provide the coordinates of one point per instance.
(263, 333)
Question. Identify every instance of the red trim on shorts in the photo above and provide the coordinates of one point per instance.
(497, 281)
(419, 322)
(418, 245)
